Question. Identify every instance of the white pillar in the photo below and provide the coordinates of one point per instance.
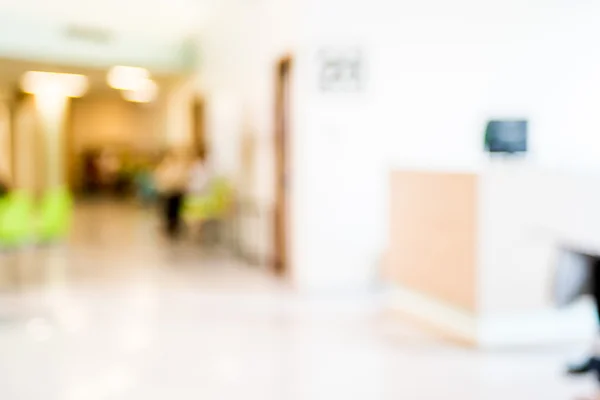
(52, 92)
(51, 109)
(25, 126)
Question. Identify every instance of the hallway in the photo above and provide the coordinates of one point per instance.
(117, 313)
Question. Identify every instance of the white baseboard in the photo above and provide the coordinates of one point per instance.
(550, 326)
(544, 327)
(437, 314)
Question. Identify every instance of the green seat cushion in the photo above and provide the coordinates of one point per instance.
(16, 218)
(54, 214)
(214, 205)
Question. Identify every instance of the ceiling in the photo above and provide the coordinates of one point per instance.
(167, 19)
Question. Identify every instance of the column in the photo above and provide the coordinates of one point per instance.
(24, 146)
(51, 111)
(52, 92)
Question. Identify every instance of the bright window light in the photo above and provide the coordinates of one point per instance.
(127, 78)
(68, 85)
(146, 93)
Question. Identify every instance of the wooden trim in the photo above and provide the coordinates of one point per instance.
(198, 111)
(281, 220)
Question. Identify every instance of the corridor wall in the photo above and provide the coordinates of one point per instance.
(240, 48)
(436, 71)
(178, 122)
(6, 148)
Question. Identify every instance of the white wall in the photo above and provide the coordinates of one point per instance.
(178, 113)
(337, 174)
(240, 48)
(437, 71)
(442, 69)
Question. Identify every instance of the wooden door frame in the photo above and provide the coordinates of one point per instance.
(281, 141)
(198, 115)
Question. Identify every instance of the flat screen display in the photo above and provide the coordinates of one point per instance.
(506, 136)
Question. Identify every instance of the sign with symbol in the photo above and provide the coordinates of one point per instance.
(341, 70)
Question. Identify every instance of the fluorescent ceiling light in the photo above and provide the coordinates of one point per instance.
(146, 93)
(127, 78)
(68, 85)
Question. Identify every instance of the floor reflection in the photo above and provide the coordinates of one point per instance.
(118, 313)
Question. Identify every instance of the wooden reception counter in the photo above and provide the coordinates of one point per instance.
(471, 254)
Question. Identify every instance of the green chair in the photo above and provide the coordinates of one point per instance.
(54, 215)
(16, 218)
(3, 205)
(210, 210)
(213, 206)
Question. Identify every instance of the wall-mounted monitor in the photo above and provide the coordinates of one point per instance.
(506, 136)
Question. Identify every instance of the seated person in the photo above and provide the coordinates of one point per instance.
(4, 185)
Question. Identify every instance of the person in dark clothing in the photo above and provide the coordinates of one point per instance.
(3, 189)
(171, 178)
(592, 363)
(172, 211)
(4, 186)
(91, 172)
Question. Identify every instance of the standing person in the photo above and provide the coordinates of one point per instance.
(110, 166)
(90, 172)
(171, 179)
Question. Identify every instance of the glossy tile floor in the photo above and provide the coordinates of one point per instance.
(117, 313)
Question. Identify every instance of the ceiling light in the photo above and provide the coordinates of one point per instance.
(127, 78)
(146, 93)
(68, 85)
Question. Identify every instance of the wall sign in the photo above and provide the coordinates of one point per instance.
(341, 70)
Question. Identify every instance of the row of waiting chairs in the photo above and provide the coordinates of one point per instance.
(216, 204)
(208, 214)
(24, 220)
